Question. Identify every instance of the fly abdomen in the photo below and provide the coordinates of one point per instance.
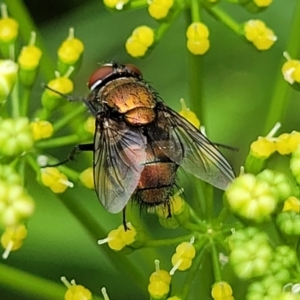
(156, 183)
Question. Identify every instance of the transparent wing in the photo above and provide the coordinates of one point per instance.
(119, 158)
(188, 147)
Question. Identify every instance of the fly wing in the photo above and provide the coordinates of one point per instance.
(188, 147)
(119, 158)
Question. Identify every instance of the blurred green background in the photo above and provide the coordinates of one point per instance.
(237, 81)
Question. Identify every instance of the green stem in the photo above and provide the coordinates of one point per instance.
(58, 142)
(167, 242)
(25, 101)
(215, 261)
(136, 4)
(15, 101)
(193, 270)
(195, 10)
(18, 10)
(65, 120)
(96, 231)
(22, 283)
(226, 19)
(281, 89)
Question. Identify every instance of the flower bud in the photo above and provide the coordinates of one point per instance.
(221, 291)
(251, 198)
(197, 38)
(9, 175)
(188, 114)
(41, 129)
(295, 164)
(55, 180)
(8, 77)
(69, 53)
(15, 136)
(116, 4)
(50, 99)
(261, 36)
(87, 178)
(251, 259)
(16, 206)
(12, 239)
(76, 291)
(140, 40)
(288, 222)
(279, 183)
(159, 9)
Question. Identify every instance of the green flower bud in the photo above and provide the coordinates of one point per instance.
(238, 238)
(250, 198)
(15, 136)
(288, 222)
(16, 206)
(264, 289)
(285, 256)
(8, 77)
(251, 259)
(280, 184)
(8, 174)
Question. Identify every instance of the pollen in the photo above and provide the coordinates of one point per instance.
(55, 180)
(141, 39)
(222, 291)
(12, 239)
(197, 38)
(41, 129)
(259, 34)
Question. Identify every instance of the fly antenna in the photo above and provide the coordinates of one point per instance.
(70, 98)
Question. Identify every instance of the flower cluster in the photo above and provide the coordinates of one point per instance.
(24, 136)
(143, 38)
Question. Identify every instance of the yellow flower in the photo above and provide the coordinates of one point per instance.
(12, 238)
(76, 291)
(221, 291)
(55, 180)
(87, 178)
(159, 9)
(118, 238)
(188, 114)
(182, 259)
(259, 34)
(41, 129)
(140, 40)
(197, 38)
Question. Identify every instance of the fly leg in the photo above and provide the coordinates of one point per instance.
(76, 150)
(124, 219)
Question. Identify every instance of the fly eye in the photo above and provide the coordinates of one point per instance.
(98, 76)
(133, 69)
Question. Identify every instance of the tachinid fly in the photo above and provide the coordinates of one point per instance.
(139, 142)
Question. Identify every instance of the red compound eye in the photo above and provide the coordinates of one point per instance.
(99, 75)
(133, 69)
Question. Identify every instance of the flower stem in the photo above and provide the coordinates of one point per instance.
(167, 242)
(96, 231)
(19, 11)
(281, 89)
(59, 142)
(215, 261)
